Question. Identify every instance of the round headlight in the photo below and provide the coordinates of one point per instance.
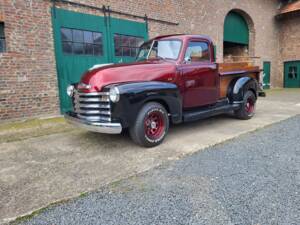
(70, 90)
(114, 94)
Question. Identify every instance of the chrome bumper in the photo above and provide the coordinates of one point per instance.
(106, 127)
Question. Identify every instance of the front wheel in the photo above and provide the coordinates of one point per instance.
(248, 106)
(151, 125)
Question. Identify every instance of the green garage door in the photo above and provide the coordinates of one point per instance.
(83, 40)
(292, 74)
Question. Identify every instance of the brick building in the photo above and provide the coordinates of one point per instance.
(46, 44)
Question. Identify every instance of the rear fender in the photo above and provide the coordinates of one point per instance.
(238, 87)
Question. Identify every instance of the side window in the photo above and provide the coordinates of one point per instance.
(292, 72)
(197, 52)
(81, 42)
(2, 38)
(126, 45)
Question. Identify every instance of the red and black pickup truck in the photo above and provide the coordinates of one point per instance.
(175, 79)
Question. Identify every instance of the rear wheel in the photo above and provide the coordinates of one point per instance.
(151, 125)
(248, 106)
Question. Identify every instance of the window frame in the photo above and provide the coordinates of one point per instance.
(167, 39)
(72, 42)
(2, 37)
(293, 71)
(126, 46)
(209, 60)
(172, 39)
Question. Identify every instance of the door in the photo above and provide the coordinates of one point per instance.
(266, 75)
(199, 75)
(84, 40)
(292, 74)
(80, 43)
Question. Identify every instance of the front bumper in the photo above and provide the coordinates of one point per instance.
(100, 127)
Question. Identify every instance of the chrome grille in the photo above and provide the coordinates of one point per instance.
(93, 106)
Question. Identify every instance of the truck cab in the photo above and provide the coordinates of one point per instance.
(175, 79)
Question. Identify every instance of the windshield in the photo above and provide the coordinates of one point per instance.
(165, 49)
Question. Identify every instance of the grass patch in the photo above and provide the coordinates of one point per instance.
(37, 212)
(31, 123)
(83, 194)
(17, 131)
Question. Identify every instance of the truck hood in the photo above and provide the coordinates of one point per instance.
(158, 70)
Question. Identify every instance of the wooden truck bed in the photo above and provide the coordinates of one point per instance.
(229, 71)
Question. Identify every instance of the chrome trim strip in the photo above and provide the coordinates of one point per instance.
(108, 128)
(101, 112)
(78, 100)
(91, 93)
(94, 118)
(94, 106)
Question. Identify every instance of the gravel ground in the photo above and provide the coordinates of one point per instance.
(253, 179)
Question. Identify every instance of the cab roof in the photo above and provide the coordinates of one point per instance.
(181, 37)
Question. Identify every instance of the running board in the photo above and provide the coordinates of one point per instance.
(190, 116)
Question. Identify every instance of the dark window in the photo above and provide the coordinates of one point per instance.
(78, 48)
(97, 38)
(77, 35)
(67, 47)
(197, 52)
(126, 45)
(292, 72)
(88, 37)
(81, 42)
(66, 34)
(2, 38)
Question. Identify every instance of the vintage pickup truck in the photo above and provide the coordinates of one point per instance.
(175, 79)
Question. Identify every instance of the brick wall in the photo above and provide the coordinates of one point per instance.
(28, 85)
(28, 80)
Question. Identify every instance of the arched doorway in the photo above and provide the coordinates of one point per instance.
(238, 36)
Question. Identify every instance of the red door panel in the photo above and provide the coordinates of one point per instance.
(200, 84)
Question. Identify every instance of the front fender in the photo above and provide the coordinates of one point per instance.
(134, 95)
(238, 87)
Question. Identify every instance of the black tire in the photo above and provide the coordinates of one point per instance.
(151, 125)
(247, 110)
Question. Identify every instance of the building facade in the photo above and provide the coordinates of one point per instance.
(46, 44)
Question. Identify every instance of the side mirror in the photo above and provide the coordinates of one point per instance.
(187, 60)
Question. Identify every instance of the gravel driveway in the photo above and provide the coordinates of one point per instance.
(253, 179)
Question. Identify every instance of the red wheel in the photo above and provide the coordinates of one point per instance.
(151, 125)
(247, 109)
(250, 105)
(154, 125)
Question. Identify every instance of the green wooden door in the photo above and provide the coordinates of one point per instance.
(80, 43)
(266, 75)
(83, 40)
(292, 74)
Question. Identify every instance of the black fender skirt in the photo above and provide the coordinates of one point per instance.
(134, 95)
